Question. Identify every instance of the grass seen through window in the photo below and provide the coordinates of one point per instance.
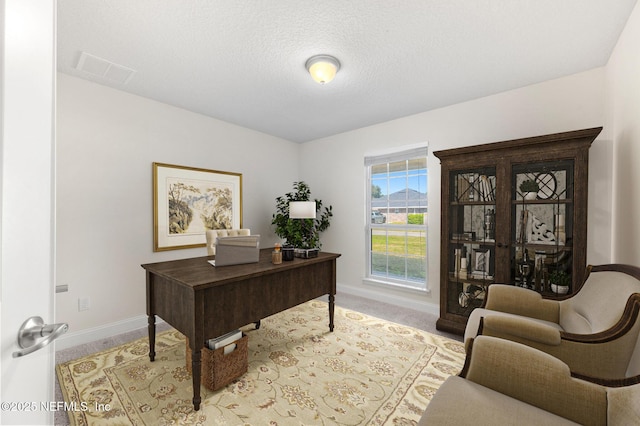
(400, 256)
(398, 244)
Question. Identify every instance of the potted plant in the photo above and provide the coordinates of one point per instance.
(560, 281)
(303, 234)
(529, 189)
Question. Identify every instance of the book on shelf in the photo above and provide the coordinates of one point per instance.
(463, 188)
(476, 187)
(486, 188)
(224, 340)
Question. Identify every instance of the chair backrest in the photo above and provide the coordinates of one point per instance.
(601, 301)
(212, 234)
(553, 389)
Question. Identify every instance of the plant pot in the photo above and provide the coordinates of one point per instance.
(287, 253)
(306, 253)
(530, 195)
(559, 289)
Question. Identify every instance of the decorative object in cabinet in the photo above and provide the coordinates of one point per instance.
(472, 238)
(492, 233)
(541, 222)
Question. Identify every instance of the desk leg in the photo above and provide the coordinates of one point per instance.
(195, 373)
(152, 337)
(332, 306)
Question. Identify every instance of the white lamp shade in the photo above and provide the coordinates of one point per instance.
(302, 210)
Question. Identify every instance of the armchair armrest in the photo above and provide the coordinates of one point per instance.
(521, 301)
(536, 378)
(521, 328)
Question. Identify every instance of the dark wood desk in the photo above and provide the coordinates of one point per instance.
(204, 302)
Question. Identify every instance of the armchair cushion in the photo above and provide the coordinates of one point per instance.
(599, 304)
(477, 314)
(462, 402)
(535, 331)
(520, 301)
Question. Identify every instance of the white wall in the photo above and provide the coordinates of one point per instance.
(623, 120)
(107, 142)
(334, 167)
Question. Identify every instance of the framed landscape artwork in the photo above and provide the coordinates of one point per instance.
(187, 201)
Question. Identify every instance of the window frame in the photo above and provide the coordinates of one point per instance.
(400, 154)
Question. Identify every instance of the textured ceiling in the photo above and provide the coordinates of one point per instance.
(242, 61)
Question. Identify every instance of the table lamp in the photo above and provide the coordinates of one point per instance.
(303, 210)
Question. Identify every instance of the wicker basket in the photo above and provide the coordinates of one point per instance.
(218, 369)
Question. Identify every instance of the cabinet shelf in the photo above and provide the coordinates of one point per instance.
(484, 216)
(474, 242)
(470, 280)
(542, 202)
(545, 247)
(473, 203)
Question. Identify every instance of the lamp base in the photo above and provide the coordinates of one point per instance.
(306, 253)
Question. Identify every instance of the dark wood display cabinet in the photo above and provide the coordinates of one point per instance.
(496, 230)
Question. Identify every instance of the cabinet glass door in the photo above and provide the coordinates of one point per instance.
(472, 226)
(542, 225)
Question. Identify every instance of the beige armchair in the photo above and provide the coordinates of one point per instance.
(507, 383)
(594, 331)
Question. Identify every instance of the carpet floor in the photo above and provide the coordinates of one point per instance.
(368, 371)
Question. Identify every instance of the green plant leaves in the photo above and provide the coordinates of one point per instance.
(300, 233)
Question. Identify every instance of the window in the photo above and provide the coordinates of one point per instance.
(397, 229)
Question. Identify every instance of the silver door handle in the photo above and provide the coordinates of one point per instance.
(35, 334)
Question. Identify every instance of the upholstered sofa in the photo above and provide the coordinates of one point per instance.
(595, 331)
(212, 234)
(507, 383)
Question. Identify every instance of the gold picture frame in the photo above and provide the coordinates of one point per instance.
(188, 200)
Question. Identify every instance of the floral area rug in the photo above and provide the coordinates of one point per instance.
(367, 372)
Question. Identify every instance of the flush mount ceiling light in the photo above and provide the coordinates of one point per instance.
(323, 68)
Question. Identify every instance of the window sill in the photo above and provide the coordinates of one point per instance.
(395, 285)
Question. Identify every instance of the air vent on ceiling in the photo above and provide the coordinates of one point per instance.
(91, 64)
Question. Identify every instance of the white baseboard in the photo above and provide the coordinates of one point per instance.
(71, 339)
(384, 297)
